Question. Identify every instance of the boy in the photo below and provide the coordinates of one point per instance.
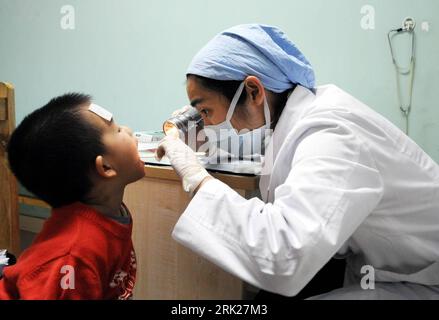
(71, 154)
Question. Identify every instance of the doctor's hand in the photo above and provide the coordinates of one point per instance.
(184, 161)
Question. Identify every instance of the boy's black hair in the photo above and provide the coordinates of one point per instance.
(53, 150)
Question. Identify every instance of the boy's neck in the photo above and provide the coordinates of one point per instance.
(107, 202)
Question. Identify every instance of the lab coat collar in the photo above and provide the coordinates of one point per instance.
(296, 104)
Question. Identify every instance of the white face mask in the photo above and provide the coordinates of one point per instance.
(245, 145)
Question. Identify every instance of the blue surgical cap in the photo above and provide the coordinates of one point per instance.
(257, 50)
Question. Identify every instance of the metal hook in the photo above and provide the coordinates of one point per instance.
(409, 24)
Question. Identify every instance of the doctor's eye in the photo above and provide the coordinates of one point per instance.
(205, 112)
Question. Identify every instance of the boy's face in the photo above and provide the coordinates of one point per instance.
(121, 148)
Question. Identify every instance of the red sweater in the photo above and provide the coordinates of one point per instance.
(79, 254)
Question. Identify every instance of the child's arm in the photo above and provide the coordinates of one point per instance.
(66, 278)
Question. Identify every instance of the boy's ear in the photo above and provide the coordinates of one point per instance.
(104, 169)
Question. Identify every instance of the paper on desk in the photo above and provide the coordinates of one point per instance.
(148, 144)
(149, 136)
(238, 167)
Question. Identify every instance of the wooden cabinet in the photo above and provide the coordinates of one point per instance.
(165, 269)
(9, 229)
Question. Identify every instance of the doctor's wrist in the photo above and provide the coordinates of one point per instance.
(206, 179)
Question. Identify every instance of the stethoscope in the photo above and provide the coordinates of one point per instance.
(408, 26)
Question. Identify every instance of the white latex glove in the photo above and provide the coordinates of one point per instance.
(184, 161)
(180, 111)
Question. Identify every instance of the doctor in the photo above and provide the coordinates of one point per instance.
(338, 180)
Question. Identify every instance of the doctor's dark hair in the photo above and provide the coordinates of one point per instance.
(228, 88)
(53, 150)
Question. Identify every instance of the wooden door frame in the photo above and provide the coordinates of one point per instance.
(9, 218)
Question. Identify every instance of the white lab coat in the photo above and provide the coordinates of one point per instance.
(345, 182)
